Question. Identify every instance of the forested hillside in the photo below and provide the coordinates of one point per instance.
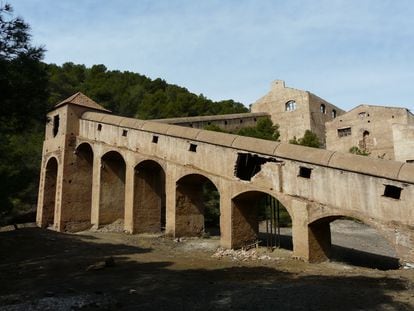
(131, 94)
(29, 88)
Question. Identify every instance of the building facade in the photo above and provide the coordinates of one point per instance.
(383, 132)
(296, 111)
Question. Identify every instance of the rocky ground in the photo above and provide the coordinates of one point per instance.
(103, 270)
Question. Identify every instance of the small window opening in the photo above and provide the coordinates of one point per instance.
(193, 148)
(365, 134)
(248, 165)
(124, 133)
(225, 122)
(155, 139)
(290, 105)
(392, 192)
(255, 119)
(241, 121)
(305, 172)
(409, 161)
(333, 114)
(56, 121)
(362, 114)
(99, 127)
(344, 132)
(323, 108)
(191, 124)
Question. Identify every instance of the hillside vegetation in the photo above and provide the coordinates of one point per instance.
(29, 88)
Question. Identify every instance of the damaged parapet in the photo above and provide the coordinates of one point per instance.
(248, 165)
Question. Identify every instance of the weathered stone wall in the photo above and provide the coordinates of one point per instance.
(403, 138)
(227, 122)
(303, 113)
(335, 185)
(370, 130)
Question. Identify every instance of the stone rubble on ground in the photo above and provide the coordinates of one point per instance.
(242, 255)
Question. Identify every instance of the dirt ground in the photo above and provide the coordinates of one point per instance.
(46, 270)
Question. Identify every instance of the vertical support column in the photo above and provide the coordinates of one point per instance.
(96, 188)
(225, 216)
(310, 242)
(40, 198)
(170, 202)
(58, 226)
(129, 198)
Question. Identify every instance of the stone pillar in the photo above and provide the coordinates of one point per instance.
(96, 188)
(225, 218)
(170, 202)
(310, 242)
(129, 198)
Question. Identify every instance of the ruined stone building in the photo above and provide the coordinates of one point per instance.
(384, 132)
(98, 168)
(296, 111)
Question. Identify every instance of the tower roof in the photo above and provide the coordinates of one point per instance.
(81, 99)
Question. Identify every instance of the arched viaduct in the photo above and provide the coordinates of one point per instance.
(99, 167)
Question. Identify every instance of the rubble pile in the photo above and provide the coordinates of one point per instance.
(242, 254)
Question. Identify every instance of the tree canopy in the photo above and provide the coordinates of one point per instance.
(309, 139)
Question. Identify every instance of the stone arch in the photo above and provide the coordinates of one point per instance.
(149, 197)
(49, 192)
(80, 189)
(321, 246)
(247, 213)
(112, 188)
(190, 205)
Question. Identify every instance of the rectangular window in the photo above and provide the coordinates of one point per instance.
(124, 133)
(193, 148)
(305, 172)
(99, 127)
(56, 121)
(155, 139)
(346, 131)
(392, 192)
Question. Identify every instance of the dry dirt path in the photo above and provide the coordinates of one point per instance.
(46, 270)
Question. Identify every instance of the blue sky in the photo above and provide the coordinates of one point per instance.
(347, 52)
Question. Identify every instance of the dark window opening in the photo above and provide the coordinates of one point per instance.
(124, 133)
(248, 165)
(241, 121)
(208, 123)
(191, 124)
(155, 139)
(193, 148)
(410, 161)
(344, 132)
(333, 114)
(225, 122)
(56, 121)
(323, 108)
(290, 105)
(392, 192)
(305, 172)
(254, 119)
(99, 127)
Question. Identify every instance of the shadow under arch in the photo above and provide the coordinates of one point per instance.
(78, 217)
(149, 197)
(258, 216)
(197, 206)
(352, 240)
(112, 188)
(49, 193)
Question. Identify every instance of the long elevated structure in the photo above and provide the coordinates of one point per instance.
(98, 167)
